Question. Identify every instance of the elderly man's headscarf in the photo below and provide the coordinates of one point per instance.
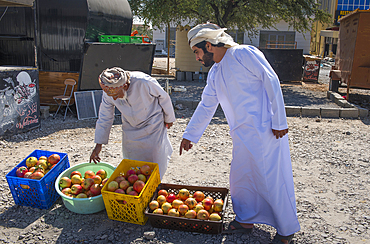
(211, 33)
(113, 79)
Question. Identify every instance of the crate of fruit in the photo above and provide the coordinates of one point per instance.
(129, 190)
(188, 208)
(32, 181)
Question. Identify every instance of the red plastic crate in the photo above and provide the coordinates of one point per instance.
(37, 193)
(184, 224)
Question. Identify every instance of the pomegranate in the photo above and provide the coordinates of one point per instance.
(102, 173)
(76, 179)
(130, 189)
(88, 183)
(43, 158)
(130, 172)
(95, 189)
(119, 190)
(21, 171)
(191, 214)
(203, 214)
(214, 217)
(163, 192)
(173, 212)
(171, 197)
(27, 175)
(76, 189)
(119, 178)
(161, 199)
(166, 207)
(207, 203)
(153, 205)
(176, 203)
(89, 174)
(217, 205)
(104, 181)
(198, 207)
(142, 177)
(145, 170)
(42, 163)
(65, 182)
(37, 175)
(183, 208)
(158, 211)
(75, 173)
(132, 179)
(138, 186)
(53, 158)
(31, 161)
(184, 194)
(81, 195)
(124, 184)
(112, 186)
(191, 202)
(97, 179)
(133, 193)
(199, 196)
(67, 191)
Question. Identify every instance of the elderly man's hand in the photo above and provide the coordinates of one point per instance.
(95, 153)
(279, 133)
(168, 125)
(186, 144)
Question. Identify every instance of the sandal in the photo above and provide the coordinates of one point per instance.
(238, 228)
(278, 239)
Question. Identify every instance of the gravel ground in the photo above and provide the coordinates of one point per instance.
(331, 168)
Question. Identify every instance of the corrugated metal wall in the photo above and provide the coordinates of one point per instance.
(62, 27)
(17, 36)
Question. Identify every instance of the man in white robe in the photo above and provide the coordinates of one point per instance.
(242, 81)
(146, 113)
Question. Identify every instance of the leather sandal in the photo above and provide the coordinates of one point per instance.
(238, 228)
(278, 239)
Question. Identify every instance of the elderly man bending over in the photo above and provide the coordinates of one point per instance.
(146, 112)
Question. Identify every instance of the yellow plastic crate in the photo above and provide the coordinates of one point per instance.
(127, 208)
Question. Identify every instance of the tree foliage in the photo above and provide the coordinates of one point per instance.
(245, 15)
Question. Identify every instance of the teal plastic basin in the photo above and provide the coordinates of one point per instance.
(84, 205)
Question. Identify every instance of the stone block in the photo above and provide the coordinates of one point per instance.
(180, 75)
(293, 111)
(329, 112)
(348, 113)
(344, 103)
(362, 112)
(329, 94)
(310, 112)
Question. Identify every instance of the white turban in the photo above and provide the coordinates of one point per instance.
(113, 79)
(211, 33)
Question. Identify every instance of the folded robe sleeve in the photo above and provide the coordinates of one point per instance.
(164, 100)
(256, 62)
(203, 113)
(105, 121)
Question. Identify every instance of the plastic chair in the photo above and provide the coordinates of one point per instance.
(66, 99)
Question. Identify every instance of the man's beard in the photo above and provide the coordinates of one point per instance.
(124, 98)
(208, 59)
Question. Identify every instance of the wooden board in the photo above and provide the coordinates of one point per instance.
(52, 84)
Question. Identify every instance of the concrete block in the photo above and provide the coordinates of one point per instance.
(180, 75)
(189, 76)
(330, 112)
(348, 113)
(344, 103)
(185, 103)
(293, 110)
(329, 94)
(310, 112)
(362, 112)
(44, 112)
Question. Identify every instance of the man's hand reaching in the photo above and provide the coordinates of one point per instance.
(95, 154)
(279, 133)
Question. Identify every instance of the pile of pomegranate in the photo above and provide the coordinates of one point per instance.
(131, 182)
(196, 206)
(37, 168)
(79, 186)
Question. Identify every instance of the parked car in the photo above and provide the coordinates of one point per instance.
(160, 53)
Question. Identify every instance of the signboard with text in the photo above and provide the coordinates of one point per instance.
(19, 100)
(339, 14)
